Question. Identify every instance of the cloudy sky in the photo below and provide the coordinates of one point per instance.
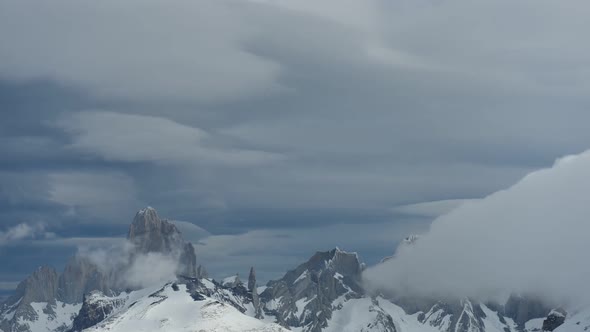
(276, 128)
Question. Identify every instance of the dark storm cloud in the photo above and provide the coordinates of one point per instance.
(255, 119)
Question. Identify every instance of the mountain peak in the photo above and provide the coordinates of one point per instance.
(149, 233)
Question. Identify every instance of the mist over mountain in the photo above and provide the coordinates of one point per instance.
(509, 262)
(530, 238)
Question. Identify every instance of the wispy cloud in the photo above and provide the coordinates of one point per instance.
(132, 138)
(25, 231)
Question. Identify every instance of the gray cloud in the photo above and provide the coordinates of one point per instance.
(247, 115)
(93, 193)
(182, 50)
(125, 137)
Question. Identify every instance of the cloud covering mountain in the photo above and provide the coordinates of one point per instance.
(530, 238)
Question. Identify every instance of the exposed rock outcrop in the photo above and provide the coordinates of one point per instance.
(253, 289)
(149, 233)
(95, 308)
(251, 279)
(188, 261)
(522, 309)
(202, 272)
(39, 287)
(79, 277)
(305, 296)
(554, 320)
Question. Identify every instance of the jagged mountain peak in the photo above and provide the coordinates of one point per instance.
(40, 286)
(149, 233)
(306, 296)
(147, 220)
(252, 279)
(346, 263)
(80, 276)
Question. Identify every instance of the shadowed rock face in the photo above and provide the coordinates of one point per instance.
(253, 289)
(151, 234)
(188, 261)
(80, 276)
(555, 318)
(202, 272)
(251, 279)
(325, 277)
(522, 309)
(148, 233)
(41, 286)
(95, 308)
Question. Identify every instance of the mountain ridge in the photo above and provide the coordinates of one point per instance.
(324, 293)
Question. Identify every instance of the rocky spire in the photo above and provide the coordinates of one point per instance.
(252, 279)
(188, 261)
(202, 272)
(253, 289)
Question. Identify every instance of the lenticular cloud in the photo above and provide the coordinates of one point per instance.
(532, 238)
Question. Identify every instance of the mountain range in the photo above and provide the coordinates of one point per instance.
(324, 294)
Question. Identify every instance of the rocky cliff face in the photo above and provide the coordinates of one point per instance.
(253, 289)
(306, 296)
(149, 233)
(555, 319)
(79, 277)
(188, 261)
(524, 308)
(96, 307)
(40, 287)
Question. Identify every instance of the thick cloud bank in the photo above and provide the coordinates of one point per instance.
(125, 267)
(530, 238)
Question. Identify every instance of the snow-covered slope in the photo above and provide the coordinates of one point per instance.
(45, 317)
(172, 308)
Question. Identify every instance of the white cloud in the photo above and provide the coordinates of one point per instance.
(25, 231)
(529, 238)
(431, 209)
(151, 269)
(120, 261)
(141, 50)
(126, 137)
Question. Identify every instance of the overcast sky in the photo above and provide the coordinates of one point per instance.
(273, 129)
